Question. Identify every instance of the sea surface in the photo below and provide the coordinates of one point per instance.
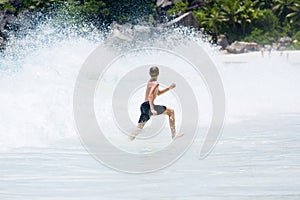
(256, 157)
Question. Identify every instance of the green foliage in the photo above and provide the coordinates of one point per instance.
(297, 36)
(253, 20)
(261, 21)
(230, 16)
(94, 11)
(286, 8)
(296, 39)
(40, 5)
(179, 8)
(211, 21)
(5, 5)
(263, 37)
(267, 21)
(265, 4)
(130, 11)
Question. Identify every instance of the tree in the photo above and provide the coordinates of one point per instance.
(249, 13)
(286, 8)
(232, 11)
(265, 4)
(130, 11)
(180, 7)
(213, 20)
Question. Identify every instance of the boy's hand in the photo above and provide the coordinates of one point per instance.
(173, 85)
(154, 112)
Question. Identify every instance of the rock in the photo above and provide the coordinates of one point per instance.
(223, 41)
(136, 36)
(242, 47)
(283, 43)
(188, 19)
(2, 20)
(120, 32)
(285, 40)
(161, 8)
(128, 33)
(6, 19)
(10, 22)
(1, 42)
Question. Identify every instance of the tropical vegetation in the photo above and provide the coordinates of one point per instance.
(261, 21)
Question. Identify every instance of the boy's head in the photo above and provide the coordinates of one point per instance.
(154, 72)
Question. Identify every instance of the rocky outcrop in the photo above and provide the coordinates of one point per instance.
(187, 19)
(1, 42)
(136, 36)
(242, 47)
(7, 21)
(223, 41)
(128, 34)
(283, 43)
(161, 8)
(285, 40)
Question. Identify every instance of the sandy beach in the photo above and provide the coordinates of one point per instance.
(291, 56)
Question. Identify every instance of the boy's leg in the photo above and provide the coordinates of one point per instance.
(171, 115)
(170, 112)
(144, 117)
(139, 128)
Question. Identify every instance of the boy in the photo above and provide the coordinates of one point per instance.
(148, 108)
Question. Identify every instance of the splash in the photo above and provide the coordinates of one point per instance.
(38, 73)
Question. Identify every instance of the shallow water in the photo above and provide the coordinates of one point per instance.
(256, 157)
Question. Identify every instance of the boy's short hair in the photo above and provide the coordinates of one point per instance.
(154, 71)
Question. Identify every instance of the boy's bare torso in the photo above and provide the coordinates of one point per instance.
(152, 90)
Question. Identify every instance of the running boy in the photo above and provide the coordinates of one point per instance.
(148, 108)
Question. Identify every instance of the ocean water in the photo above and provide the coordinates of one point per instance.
(41, 156)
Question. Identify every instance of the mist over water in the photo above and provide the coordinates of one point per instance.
(258, 86)
(256, 157)
(38, 73)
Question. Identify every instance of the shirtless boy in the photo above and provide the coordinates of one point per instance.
(148, 108)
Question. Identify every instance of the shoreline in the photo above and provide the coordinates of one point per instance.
(292, 56)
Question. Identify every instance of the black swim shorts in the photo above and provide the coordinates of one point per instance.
(146, 111)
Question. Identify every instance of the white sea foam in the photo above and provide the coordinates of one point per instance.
(38, 72)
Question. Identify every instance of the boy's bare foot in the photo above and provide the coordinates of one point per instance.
(136, 131)
(178, 135)
(132, 137)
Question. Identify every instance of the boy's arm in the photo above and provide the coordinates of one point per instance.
(163, 91)
(173, 85)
